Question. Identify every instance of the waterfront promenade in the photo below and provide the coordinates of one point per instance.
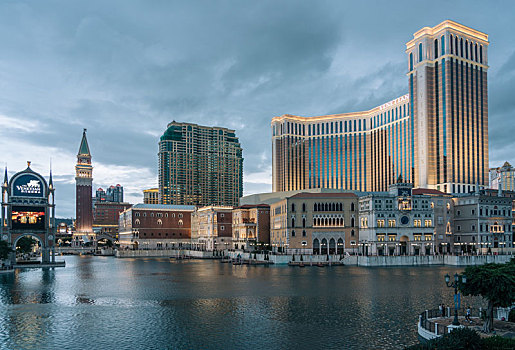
(307, 259)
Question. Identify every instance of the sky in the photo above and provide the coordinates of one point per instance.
(124, 69)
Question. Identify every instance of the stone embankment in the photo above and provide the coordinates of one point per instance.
(307, 260)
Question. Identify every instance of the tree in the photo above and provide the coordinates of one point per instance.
(493, 282)
(25, 244)
(5, 249)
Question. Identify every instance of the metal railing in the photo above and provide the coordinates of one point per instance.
(427, 318)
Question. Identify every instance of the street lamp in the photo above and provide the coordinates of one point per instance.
(454, 285)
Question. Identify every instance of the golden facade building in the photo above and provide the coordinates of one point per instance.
(436, 136)
(199, 165)
(151, 196)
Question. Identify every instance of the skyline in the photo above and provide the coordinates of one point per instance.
(84, 68)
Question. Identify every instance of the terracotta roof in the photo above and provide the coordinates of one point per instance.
(418, 191)
(325, 195)
(250, 206)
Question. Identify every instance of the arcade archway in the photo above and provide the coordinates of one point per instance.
(28, 249)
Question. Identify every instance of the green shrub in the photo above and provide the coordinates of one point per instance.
(497, 343)
(511, 316)
(459, 339)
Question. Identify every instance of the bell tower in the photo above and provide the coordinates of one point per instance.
(83, 201)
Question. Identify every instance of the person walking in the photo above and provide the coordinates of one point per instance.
(440, 308)
(467, 316)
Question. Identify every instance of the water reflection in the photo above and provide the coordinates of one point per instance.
(101, 302)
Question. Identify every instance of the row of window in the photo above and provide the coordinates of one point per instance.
(393, 223)
(158, 215)
(465, 49)
(159, 222)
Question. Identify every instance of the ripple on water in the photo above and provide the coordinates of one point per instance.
(108, 303)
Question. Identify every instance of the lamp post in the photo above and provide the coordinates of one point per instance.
(454, 285)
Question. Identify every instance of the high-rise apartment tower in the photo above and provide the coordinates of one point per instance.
(199, 165)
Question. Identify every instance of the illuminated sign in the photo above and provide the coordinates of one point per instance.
(28, 185)
(23, 217)
(394, 102)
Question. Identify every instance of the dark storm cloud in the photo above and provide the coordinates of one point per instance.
(124, 69)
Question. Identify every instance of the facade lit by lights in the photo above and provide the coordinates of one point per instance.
(436, 136)
(83, 199)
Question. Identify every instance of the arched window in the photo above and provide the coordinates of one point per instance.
(180, 223)
(352, 222)
(159, 222)
(436, 48)
(136, 222)
(442, 41)
(461, 48)
(456, 46)
(293, 207)
(475, 53)
(332, 246)
(411, 62)
(451, 44)
(339, 246)
(420, 56)
(466, 49)
(303, 206)
(316, 246)
(303, 222)
(315, 207)
(352, 206)
(293, 233)
(352, 233)
(481, 54)
(303, 233)
(292, 222)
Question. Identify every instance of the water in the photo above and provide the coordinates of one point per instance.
(108, 303)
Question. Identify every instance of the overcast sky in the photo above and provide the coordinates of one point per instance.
(124, 69)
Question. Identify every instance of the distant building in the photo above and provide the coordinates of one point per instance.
(106, 218)
(504, 176)
(114, 194)
(151, 196)
(251, 226)
(397, 222)
(155, 226)
(211, 228)
(315, 223)
(200, 165)
(100, 195)
(483, 223)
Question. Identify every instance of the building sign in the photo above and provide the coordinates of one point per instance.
(28, 185)
(25, 217)
(394, 102)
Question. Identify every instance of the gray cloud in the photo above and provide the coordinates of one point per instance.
(124, 69)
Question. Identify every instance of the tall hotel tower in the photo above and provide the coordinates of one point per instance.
(200, 165)
(83, 184)
(436, 136)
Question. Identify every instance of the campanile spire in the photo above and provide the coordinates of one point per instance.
(83, 184)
